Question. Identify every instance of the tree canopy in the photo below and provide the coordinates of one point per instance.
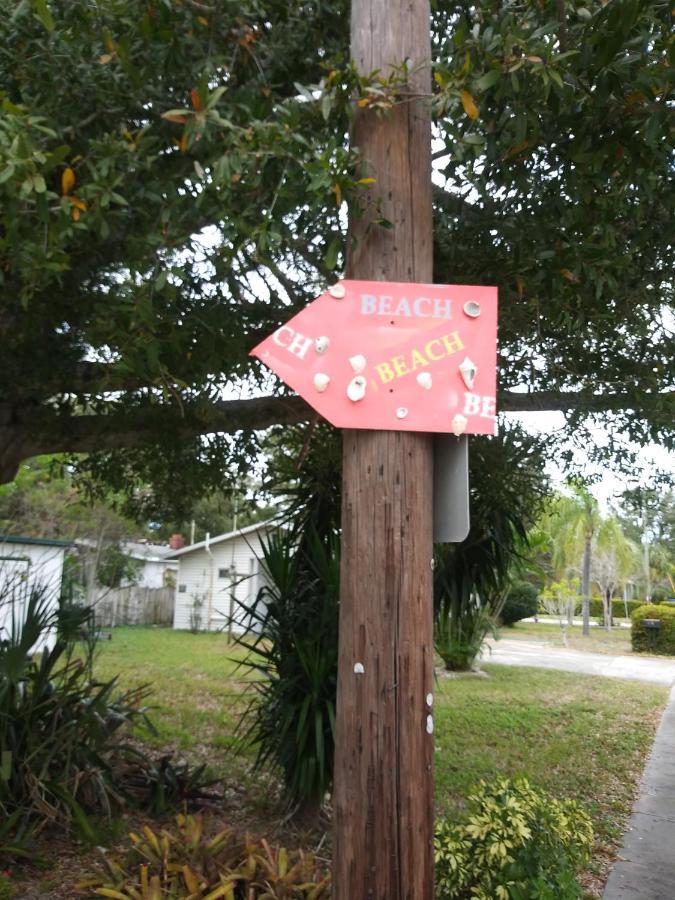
(173, 176)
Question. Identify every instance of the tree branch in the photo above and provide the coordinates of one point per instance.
(31, 431)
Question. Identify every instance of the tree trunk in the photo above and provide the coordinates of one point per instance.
(383, 796)
(586, 587)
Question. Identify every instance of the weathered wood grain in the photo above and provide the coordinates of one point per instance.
(383, 796)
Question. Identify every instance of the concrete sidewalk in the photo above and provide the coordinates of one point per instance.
(646, 866)
(534, 653)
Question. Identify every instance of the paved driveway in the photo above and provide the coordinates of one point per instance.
(534, 653)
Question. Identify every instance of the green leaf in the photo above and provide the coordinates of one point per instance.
(488, 80)
(43, 14)
(555, 77)
(21, 10)
(332, 252)
(39, 184)
(6, 765)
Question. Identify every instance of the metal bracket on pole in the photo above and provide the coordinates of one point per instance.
(451, 488)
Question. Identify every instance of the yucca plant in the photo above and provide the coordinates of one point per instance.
(471, 579)
(60, 730)
(293, 646)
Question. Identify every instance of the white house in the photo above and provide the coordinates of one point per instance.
(27, 564)
(155, 571)
(215, 576)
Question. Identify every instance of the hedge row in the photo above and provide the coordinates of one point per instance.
(663, 640)
(597, 610)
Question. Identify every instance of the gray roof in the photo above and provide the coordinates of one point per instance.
(140, 550)
(219, 538)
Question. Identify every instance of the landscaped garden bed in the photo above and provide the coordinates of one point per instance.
(575, 736)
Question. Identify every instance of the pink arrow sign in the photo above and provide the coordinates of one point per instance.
(393, 356)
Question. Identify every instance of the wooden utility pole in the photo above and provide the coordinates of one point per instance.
(383, 796)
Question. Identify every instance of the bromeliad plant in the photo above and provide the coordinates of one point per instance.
(184, 861)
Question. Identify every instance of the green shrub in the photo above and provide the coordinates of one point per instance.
(597, 611)
(471, 577)
(64, 735)
(60, 729)
(6, 886)
(663, 641)
(521, 603)
(518, 844)
(459, 631)
(185, 862)
(660, 595)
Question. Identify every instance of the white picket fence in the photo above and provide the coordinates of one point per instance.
(134, 606)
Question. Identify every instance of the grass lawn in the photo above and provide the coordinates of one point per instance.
(574, 735)
(599, 641)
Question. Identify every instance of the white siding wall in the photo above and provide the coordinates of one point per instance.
(152, 573)
(22, 568)
(202, 581)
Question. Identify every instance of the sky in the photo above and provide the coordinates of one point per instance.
(610, 484)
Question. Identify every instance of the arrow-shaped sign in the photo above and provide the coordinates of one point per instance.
(393, 356)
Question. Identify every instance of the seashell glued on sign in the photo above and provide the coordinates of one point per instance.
(459, 423)
(321, 381)
(321, 344)
(425, 380)
(356, 389)
(468, 371)
(358, 363)
(337, 290)
(472, 309)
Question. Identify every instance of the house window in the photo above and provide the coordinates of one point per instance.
(182, 588)
(224, 573)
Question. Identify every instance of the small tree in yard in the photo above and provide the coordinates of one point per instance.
(614, 559)
(561, 599)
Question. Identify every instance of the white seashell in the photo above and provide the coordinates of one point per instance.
(430, 699)
(430, 724)
(356, 389)
(321, 344)
(337, 290)
(459, 423)
(401, 412)
(321, 381)
(358, 363)
(468, 371)
(472, 308)
(358, 669)
(425, 380)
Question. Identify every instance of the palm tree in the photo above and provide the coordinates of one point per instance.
(573, 523)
